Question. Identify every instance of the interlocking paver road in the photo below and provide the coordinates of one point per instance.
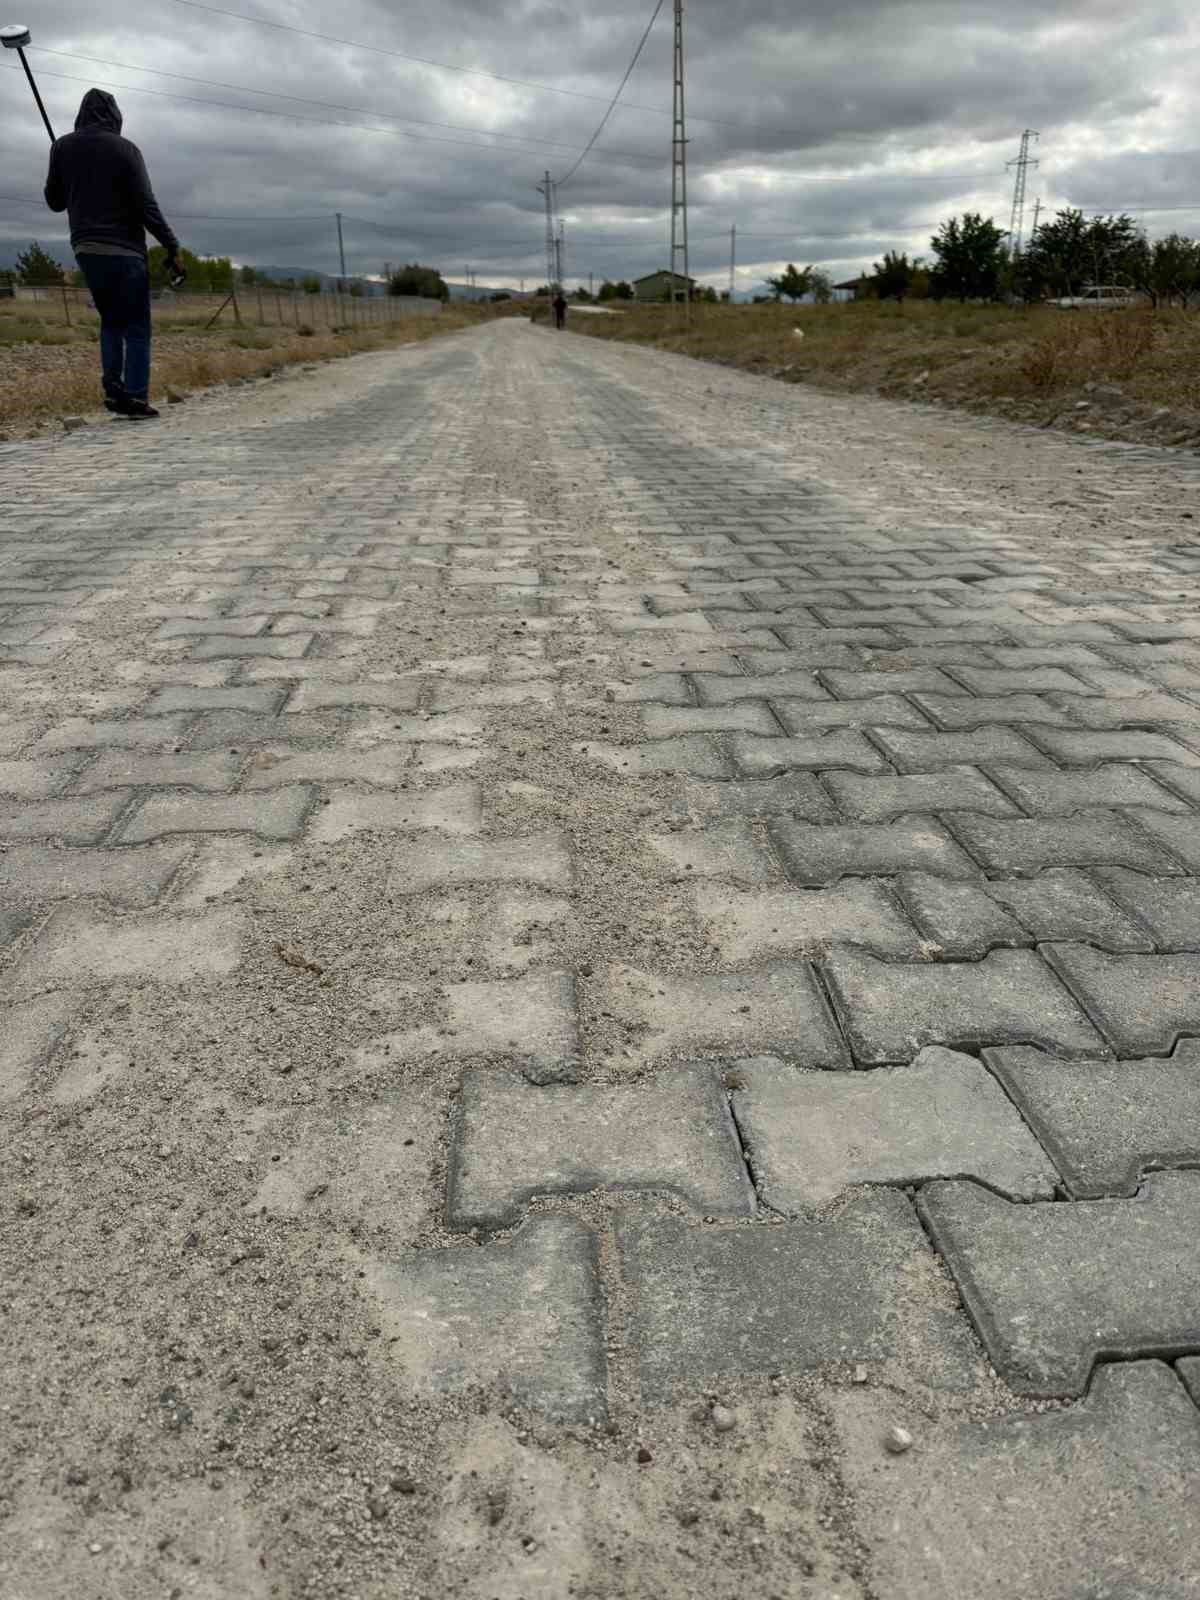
(582, 936)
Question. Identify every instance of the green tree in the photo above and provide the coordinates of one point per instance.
(582, 295)
(311, 284)
(249, 276)
(414, 279)
(891, 278)
(1070, 251)
(35, 267)
(820, 286)
(969, 258)
(211, 273)
(1169, 269)
(500, 295)
(792, 284)
(615, 291)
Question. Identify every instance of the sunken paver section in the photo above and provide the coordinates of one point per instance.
(1053, 1288)
(778, 1009)
(525, 1312)
(729, 1301)
(1096, 1500)
(810, 1135)
(126, 877)
(753, 924)
(1107, 1122)
(1141, 1003)
(513, 1141)
(814, 854)
(455, 809)
(890, 1011)
(530, 1021)
(538, 858)
(280, 814)
(78, 945)
(963, 921)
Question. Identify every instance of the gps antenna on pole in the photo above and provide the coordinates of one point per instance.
(15, 36)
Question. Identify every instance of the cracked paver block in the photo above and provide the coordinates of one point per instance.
(32, 1030)
(818, 752)
(79, 946)
(693, 755)
(727, 850)
(777, 1008)
(815, 854)
(891, 1012)
(127, 877)
(385, 766)
(713, 1301)
(1050, 794)
(747, 925)
(810, 1135)
(1169, 907)
(403, 695)
(1179, 835)
(1087, 839)
(1052, 1288)
(794, 794)
(1095, 1502)
(524, 1314)
(513, 1141)
(665, 722)
(224, 697)
(715, 689)
(1107, 1122)
(881, 799)
(278, 815)
(81, 733)
(529, 1020)
(83, 821)
(1141, 1003)
(879, 711)
(456, 809)
(933, 752)
(543, 859)
(34, 780)
(1062, 904)
(114, 769)
(961, 920)
(1088, 749)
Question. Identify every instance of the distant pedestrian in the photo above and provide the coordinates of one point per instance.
(100, 180)
(560, 310)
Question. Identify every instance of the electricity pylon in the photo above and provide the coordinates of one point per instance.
(679, 220)
(1023, 162)
(547, 189)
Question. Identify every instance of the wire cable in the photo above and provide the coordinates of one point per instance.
(561, 183)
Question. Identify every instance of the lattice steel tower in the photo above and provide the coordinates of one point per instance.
(1023, 162)
(551, 233)
(679, 220)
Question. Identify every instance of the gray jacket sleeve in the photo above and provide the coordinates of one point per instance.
(56, 191)
(152, 217)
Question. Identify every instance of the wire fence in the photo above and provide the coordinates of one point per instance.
(258, 305)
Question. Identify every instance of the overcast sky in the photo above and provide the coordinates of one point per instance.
(827, 133)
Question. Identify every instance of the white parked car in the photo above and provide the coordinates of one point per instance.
(1099, 297)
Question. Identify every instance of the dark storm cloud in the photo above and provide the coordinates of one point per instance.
(779, 91)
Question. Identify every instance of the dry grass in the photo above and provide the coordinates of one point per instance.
(49, 367)
(1033, 361)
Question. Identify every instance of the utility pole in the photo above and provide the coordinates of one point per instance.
(547, 189)
(1037, 211)
(591, 285)
(1023, 162)
(560, 256)
(679, 218)
(732, 260)
(341, 246)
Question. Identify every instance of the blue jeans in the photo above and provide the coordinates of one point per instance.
(120, 288)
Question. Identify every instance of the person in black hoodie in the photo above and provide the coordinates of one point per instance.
(101, 181)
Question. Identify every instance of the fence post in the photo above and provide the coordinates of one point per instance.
(261, 318)
(66, 302)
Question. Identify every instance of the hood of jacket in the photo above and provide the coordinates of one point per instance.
(98, 109)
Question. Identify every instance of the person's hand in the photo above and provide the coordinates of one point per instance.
(175, 273)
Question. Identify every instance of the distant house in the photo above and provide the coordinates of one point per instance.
(852, 289)
(660, 286)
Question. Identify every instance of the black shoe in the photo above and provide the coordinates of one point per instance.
(137, 410)
(118, 403)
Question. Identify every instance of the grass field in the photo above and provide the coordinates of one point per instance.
(50, 365)
(1033, 363)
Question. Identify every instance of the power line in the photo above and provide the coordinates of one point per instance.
(401, 55)
(612, 105)
(328, 105)
(292, 116)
